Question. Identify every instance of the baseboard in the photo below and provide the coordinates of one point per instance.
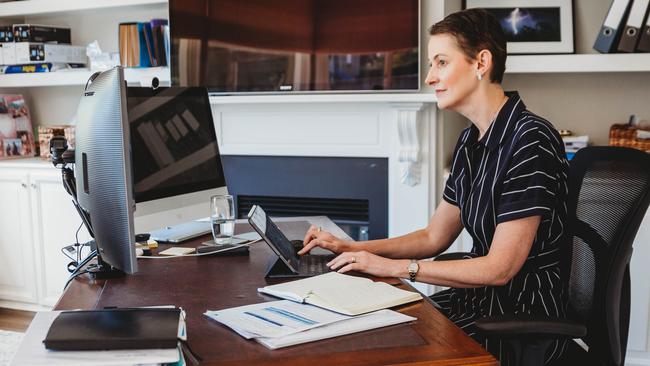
(635, 358)
(23, 306)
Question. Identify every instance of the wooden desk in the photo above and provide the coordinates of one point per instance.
(205, 283)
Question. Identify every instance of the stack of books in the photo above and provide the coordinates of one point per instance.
(144, 44)
(574, 143)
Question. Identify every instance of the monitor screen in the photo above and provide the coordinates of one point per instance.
(173, 142)
(234, 46)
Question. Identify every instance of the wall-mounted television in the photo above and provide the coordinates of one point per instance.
(261, 46)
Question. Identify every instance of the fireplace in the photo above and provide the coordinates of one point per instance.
(353, 192)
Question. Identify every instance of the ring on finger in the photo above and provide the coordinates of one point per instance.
(320, 229)
(353, 260)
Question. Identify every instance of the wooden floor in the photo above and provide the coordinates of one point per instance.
(15, 320)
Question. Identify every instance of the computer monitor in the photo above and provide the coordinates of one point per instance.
(103, 170)
(176, 160)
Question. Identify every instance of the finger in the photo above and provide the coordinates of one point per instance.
(332, 264)
(339, 261)
(310, 234)
(316, 243)
(308, 247)
(349, 267)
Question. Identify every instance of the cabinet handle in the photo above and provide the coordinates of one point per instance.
(34, 186)
(23, 184)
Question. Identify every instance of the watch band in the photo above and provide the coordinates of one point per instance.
(413, 270)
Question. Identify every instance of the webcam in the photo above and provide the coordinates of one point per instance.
(155, 83)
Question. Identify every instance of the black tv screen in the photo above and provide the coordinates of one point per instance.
(235, 46)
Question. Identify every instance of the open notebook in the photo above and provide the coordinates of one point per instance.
(342, 293)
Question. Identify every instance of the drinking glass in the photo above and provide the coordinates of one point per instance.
(222, 217)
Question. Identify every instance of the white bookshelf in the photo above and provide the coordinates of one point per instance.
(46, 7)
(578, 63)
(135, 77)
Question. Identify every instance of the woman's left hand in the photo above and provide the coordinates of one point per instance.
(364, 262)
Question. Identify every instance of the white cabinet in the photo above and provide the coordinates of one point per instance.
(17, 281)
(38, 219)
(54, 223)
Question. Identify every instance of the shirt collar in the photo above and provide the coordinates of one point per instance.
(503, 124)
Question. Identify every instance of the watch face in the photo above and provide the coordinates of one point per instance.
(413, 267)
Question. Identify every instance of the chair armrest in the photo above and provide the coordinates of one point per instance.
(452, 256)
(508, 326)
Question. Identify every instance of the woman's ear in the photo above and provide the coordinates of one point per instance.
(483, 63)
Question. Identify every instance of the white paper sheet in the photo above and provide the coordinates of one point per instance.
(274, 319)
(378, 319)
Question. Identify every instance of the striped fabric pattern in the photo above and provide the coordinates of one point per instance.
(518, 169)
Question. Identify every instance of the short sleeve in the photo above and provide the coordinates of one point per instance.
(530, 186)
(449, 192)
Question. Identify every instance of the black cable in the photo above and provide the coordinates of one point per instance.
(72, 277)
(66, 254)
(79, 266)
(76, 238)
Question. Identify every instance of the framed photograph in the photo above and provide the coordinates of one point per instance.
(533, 26)
(16, 134)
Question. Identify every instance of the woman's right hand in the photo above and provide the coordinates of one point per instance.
(315, 237)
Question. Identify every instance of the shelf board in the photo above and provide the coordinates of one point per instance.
(40, 7)
(619, 62)
(330, 97)
(134, 77)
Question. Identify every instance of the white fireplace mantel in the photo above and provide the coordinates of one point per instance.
(399, 127)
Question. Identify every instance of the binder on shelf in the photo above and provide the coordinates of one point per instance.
(612, 27)
(644, 38)
(633, 26)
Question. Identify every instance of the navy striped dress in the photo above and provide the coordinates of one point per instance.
(518, 169)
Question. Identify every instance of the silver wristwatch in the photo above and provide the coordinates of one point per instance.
(413, 269)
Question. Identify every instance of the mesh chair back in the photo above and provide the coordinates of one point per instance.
(609, 193)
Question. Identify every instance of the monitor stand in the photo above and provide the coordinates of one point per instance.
(103, 270)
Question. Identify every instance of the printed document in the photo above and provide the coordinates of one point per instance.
(378, 319)
(274, 319)
(342, 293)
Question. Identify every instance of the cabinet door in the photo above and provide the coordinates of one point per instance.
(55, 222)
(17, 280)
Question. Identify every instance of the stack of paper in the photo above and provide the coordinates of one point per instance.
(284, 323)
(344, 294)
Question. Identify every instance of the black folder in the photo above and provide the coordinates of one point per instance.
(111, 329)
(612, 28)
(633, 26)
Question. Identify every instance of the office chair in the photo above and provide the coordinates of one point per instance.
(608, 197)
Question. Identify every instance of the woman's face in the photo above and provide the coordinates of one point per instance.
(450, 73)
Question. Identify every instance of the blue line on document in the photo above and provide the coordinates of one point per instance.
(291, 315)
(262, 318)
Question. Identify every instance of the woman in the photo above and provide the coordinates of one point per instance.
(507, 188)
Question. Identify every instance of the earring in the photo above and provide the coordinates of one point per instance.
(479, 76)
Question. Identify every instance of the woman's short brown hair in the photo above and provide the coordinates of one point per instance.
(476, 30)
